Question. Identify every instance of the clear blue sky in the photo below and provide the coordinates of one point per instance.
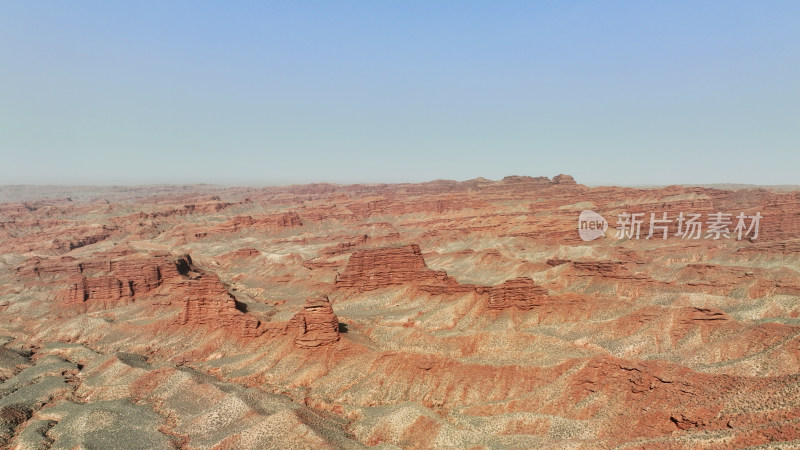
(359, 91)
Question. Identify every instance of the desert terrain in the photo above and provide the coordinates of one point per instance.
(433, 315)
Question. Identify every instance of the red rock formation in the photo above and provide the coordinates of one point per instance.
(54, 239)
(605, 268)
(524, 180)
(527, 366)
(208, 302)
(47, 269)
(87, 237)
(344, 247)
(242, 254)
(290, 219)
(553, 262)
(105, 291)
(106, 279)
(372, 269)
(520, 293)
(376, 268)
(563, 179)
(117, 278)
(705, 320)
(103, 283)
(316, 325)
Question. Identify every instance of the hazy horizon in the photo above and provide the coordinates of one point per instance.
(267, 184)
(276, 93)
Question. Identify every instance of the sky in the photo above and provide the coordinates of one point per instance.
(282, 92)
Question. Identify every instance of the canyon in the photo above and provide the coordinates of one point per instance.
(443, 314)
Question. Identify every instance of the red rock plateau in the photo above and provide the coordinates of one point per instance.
(434, 315)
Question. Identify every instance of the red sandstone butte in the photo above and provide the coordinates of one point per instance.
(376, 268)
(207, 302)
(520, 293)
(316, 325)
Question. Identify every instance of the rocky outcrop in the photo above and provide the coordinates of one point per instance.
(113, 279)
(524, 179)
(372, 269)
(703, 320)
(242, 253)
(611, 270)
(316, 325)
(604, 268)
(104, 290)
(381, 267)
(208, 302)
(563, 179)
(51, 238)
(290, 219)
(48, 269)
(344, 247)
(553, 262)
(89, 237)
(521, 293)
(107, 279)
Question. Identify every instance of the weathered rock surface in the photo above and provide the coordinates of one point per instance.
(377, 268)
(291, 219)
(316, 325)
(207, 302)
(520, 293)
(563, 179)
(118, 278)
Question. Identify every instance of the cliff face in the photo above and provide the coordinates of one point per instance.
(113, 279)
(106, 279)
(316, 325)
(207, 302)
(377, 268)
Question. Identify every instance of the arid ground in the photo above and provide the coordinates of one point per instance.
(434, 315)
